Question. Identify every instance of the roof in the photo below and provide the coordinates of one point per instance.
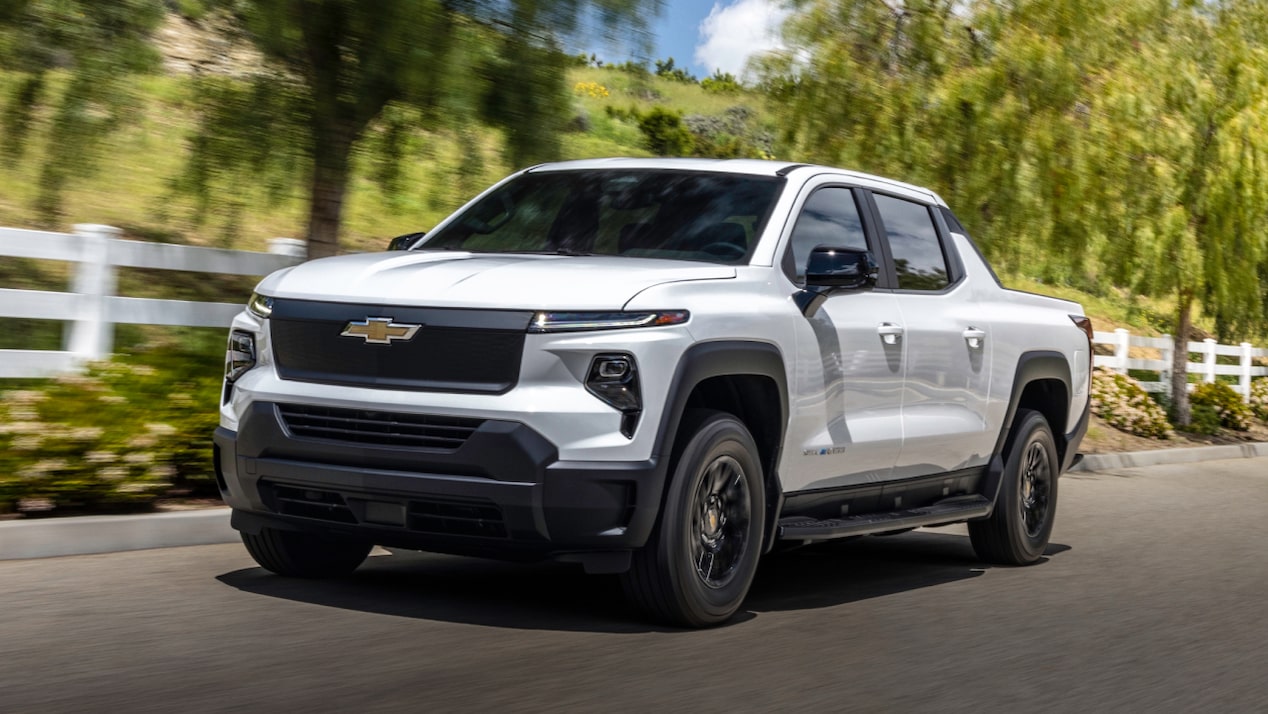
(755, 167)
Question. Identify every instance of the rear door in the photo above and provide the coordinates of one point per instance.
(948, 351)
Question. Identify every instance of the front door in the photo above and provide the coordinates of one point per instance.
(846, 420)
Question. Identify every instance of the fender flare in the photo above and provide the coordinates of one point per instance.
(1031, 367)
(721, 359)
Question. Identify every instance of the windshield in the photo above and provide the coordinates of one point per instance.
(644, 214)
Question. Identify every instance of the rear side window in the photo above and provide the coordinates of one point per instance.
(914, 244)
(830, 217)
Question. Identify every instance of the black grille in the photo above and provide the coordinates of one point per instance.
(453, 350)
(309, 503)
(478, 518)
(362, 426)
(469, 518)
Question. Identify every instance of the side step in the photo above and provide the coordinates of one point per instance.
(951, 510)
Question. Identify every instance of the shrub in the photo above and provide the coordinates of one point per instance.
(1227, 404)
(116, 438)
(1119, 400)
(664, 132)
(1259, 398)
(1203, 419)
(666, 70)
(721, 83)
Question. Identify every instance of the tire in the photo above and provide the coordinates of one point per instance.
(698, 564)
(1017, 531)
(300, 555)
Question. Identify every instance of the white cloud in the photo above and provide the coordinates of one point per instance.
(732, 33)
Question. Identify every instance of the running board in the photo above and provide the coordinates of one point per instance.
(951, 510)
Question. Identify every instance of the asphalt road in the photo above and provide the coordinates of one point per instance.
(1153, 597)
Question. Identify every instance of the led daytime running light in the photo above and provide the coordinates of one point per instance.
(584, 321)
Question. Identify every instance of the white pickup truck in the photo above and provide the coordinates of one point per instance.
(660, 368)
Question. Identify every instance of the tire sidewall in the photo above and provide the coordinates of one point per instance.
(718, 435)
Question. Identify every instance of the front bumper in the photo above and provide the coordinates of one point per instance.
(503, 493)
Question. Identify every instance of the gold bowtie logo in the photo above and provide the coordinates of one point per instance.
(380, 330)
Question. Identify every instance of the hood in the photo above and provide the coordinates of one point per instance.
(483, 280)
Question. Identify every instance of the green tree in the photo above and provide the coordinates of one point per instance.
(1195, 142)
(1105, 143)
(336, 65)
(100, 43)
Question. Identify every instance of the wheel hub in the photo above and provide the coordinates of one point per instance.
(720, 521)
(1034, 490)
(713, 518)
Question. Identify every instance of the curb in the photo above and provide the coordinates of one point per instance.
(87, 535)
(1158, 457)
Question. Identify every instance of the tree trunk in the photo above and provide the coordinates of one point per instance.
(1180, 362)
(331, 152)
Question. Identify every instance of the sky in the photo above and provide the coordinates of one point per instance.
(706, 35)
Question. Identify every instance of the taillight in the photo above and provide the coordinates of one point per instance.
(1085, 324)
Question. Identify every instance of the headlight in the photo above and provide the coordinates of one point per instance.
(613, 378)
(239, 357)
(260, 305)
(582, 321)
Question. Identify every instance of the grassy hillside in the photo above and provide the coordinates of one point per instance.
(132, 186)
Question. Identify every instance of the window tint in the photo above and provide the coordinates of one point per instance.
(830, 217)
(913, 241)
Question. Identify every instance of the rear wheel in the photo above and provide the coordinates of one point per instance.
(300, 555)
(698, 564)
(1018, 529)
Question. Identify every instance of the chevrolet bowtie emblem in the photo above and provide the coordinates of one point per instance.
(379, 330)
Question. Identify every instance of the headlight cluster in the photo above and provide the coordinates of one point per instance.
(260, 305)
(239, 357)
(613, 378)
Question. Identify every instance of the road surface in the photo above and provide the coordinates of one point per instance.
(1153, 597)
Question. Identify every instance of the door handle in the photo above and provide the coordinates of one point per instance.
(889, 332)
(974, 337)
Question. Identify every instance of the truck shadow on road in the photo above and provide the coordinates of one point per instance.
(552, 596)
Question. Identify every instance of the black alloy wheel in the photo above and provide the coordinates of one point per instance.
(698, 564)
(1018, 529)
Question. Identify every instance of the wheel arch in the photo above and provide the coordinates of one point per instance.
(741, 377)
(1042, 383)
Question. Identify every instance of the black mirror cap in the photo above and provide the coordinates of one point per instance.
(406, 241)
(843, 268)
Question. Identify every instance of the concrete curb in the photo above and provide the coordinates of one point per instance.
(50, 537)
(109, 534)
(1137, 459)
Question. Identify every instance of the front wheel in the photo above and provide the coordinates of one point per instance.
(698, 564)
(1018, 529)
(299, 555)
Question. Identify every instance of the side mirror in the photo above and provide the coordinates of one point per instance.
(841, 268)
(406, 241)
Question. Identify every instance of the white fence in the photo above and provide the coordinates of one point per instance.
(1126, 345)
(92, 308)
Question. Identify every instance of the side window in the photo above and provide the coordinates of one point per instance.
(829, 217)
(913, 242)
